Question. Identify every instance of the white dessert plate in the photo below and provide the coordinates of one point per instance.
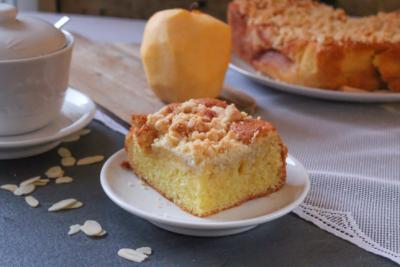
(373, 97)
(77, 112)
(127, 191)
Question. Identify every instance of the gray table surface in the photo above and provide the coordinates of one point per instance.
(35, 237)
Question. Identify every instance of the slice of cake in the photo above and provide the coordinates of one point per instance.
(206, 156)
(309, 43)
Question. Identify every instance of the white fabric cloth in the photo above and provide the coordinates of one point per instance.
(352, 153)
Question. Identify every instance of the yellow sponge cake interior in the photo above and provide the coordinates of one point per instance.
(206, 156)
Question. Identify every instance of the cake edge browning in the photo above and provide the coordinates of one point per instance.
(284, 152)
(313, 63)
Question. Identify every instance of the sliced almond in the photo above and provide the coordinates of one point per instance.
(72, 138)
(30, 181)
(90, 160)
(76, 205)
(103, 233)
(91, 228)
(64, 180)
(64, 152)
(24, 190)
(144, 250)
(33, 202)
(68, 161)
(55, 172)
(84, 132)
(9, 187)
(131, 254)
(63, 204)
(41, 182)
(74, 229)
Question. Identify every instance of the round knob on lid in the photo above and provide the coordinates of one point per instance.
(24, 37)
(7, 13)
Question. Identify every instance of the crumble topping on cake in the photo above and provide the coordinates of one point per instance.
(309, 43)
(199, 129)
(294, 20)
(206, 156)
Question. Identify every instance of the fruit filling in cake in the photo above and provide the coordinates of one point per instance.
(309, 43)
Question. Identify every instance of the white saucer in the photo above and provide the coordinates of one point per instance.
(372, 97)
(127, 191)
(77, 112)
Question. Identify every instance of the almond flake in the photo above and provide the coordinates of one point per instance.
(74, 229)
(90, 160)
(103, 233)
(64, 180)
(33, 202)
(91, 228)
(30, 181)
(144, 250)
(9, 187)
(64, 152)
(71, 138)
(76, 205)
(63, 204)
(84, 132)
(131, 254)
(68, 161)
(24, 190)
(41, 182)
(54, 172)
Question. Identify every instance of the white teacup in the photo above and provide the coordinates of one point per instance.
(32, 90)
(35, 58)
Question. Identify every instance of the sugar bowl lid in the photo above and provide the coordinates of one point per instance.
(25, 37)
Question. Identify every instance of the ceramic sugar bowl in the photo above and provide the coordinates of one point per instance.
(34, 69)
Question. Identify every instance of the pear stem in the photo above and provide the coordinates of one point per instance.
(198, 5)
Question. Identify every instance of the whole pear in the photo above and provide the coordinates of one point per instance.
(185, 54)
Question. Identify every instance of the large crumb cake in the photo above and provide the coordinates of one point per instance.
(206, 156)
(309, 43)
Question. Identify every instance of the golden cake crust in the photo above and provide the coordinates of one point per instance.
(198, 129)
(312, 44)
